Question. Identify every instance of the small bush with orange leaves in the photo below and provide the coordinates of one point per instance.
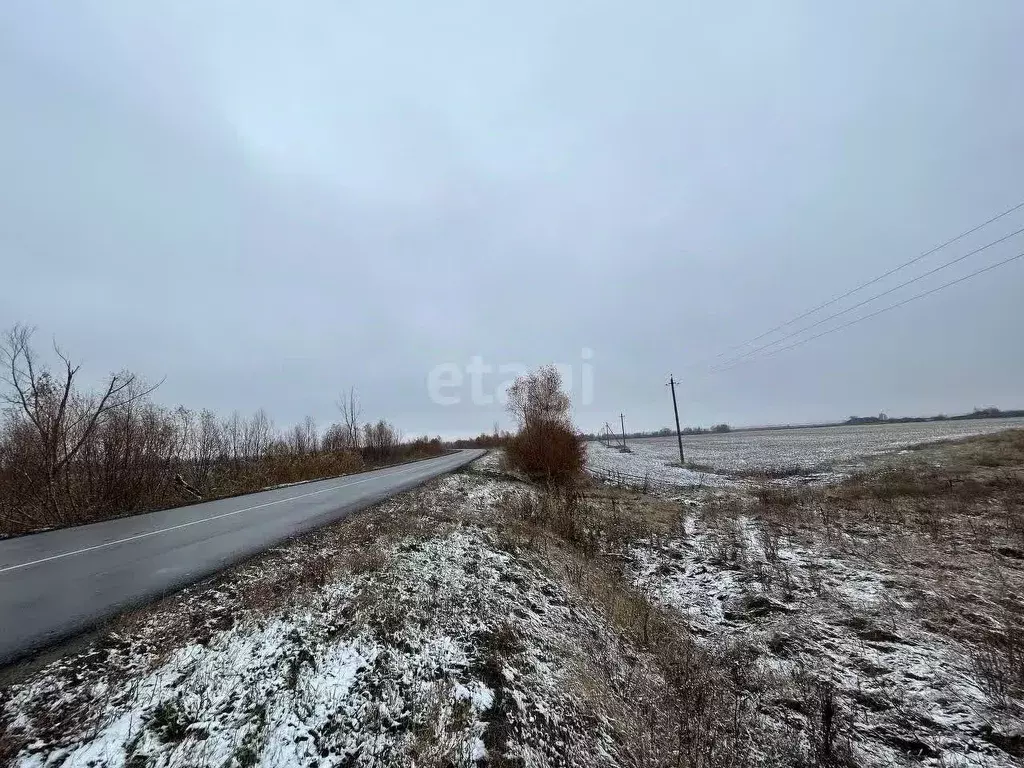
(547, 447)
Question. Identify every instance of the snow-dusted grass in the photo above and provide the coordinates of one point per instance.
(646, 461)
(482, 621)
(425, 643)
(377, 669)
(489, 462)
(902, 597)
(902, 689)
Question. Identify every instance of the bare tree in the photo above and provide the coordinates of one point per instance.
(207, 447)
(380, 440)
(350, 409)
(257, 432)
(547, 445)
(537, 398)
(62, 418)
(312, 435)
(335, 439)
(303, 439)
(70, 455)
(234, 438)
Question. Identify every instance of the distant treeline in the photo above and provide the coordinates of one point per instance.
(718, 429)
(494, 439)
(977, 413)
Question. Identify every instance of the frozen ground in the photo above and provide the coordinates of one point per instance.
(644, 462)
(414, 636)
(900, 590)
(482, 622)
(376, 668)
(810, 610)
(812, 450)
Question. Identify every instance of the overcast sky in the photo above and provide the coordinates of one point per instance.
(267, 202)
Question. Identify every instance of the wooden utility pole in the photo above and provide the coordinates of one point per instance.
(622, 420)
(679, 435)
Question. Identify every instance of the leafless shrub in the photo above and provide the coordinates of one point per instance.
(380, 440)
(772, 473)
(70, 456)
(546, 447)
(999, 661)
(549, 452)
(769, 536)
(776, 497)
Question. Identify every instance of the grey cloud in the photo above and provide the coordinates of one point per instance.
(267, 203)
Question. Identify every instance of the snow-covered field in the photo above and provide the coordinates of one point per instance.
(812, 450)
(646, 461)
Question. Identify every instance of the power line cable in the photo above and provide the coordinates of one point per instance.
(881, 277)
(834, 315)
(915, 297)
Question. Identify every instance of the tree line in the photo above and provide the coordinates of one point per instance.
(977, 413)
(71, 455)
(496, 439)
(717, 429)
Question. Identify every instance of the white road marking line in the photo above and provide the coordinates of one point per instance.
(197, 522)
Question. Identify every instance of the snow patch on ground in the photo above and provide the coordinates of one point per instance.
(645, 462)
(489, 462)
(813, 611)
(448, 649)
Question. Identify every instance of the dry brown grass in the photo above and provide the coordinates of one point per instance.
(953, 513)
(685, 707)
(692, 705)
(946, 520)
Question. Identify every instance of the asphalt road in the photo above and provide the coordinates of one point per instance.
(56, 584)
